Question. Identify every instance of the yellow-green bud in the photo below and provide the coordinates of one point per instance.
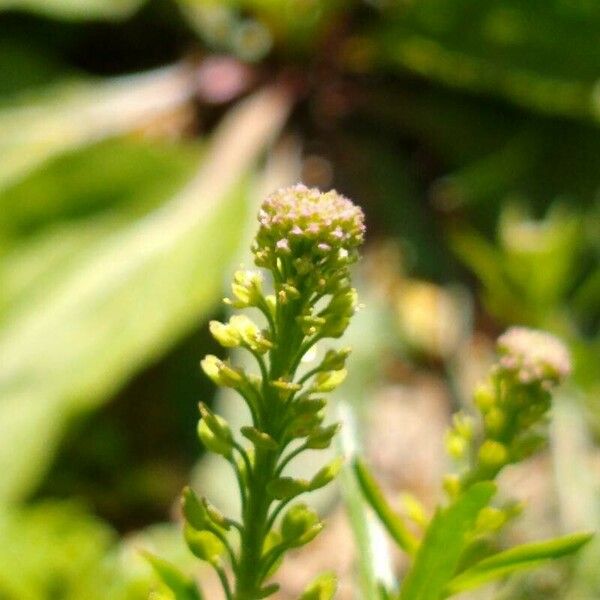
(493, 454)
(327, 381)
(456, 445)
(205, 545)
(299, 521)
(327, 474)
(484, 397)
(494, 420)
(220, 373)
(226, 335)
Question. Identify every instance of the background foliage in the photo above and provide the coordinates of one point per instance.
(135, 138)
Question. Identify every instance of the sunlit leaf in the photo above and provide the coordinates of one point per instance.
(76, 9)
(446, 538)
(71, 115)
(124, 299)
(526, 556)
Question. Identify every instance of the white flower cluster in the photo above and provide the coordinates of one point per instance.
(535, 356)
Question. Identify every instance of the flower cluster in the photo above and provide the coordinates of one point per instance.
(307, 240)
(536, 357)
(512, 404)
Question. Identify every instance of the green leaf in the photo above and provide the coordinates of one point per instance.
(123, 299)
(72, 115)
(499, 54)
(526, 556)
(391, 520)
(446, 538)
(181, 585)
(76, 9)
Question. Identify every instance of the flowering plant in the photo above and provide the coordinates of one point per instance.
(454, 550)
(307, 241)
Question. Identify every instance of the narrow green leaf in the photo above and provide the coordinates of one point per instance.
(447, 535)
(390, 519)
(182, 586)
(76, 9)
(527, 556)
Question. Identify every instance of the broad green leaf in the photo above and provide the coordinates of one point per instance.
(56, 547)
(446, 538)
(125, 299)
(75, 114)
(181, 585)
(391, 520)
(527, 556)
(491, 47)
(76, 9)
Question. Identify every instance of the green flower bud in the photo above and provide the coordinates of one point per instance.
(246, 288)
(452, 485)
(456, 445)
(212, 442)
(193, 510)
(484, 398)
(259, 438)
(217, 425)
(204, 545)
(327, 381)
(490, 519)
(283, 488)
(323, 588)
(285, 388)
(226, 335)
(220, 372)
(327, 474)
(335, 360)
(297, 522)
(494, 420)
(310, 324)
(493, 454)
(321, 438)
(309, 406)
(414, 509)
(215, 515)
(250, 334)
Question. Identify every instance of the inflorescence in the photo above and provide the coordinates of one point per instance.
(307, 241)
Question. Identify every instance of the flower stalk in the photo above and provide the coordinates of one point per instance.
(306, 242)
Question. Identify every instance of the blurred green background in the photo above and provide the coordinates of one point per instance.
(136, 138)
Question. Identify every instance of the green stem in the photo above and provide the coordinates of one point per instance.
(249, 577)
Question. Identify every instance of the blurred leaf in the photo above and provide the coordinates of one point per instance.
(23, 64)
(124, 299)
(392, 521)
(543, 55)
(57, 550)
(182, 586)
(446, 538)
(76, 9)
(71, 115)
(526, 556)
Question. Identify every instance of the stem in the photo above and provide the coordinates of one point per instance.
(249, 577)
(224, 582)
